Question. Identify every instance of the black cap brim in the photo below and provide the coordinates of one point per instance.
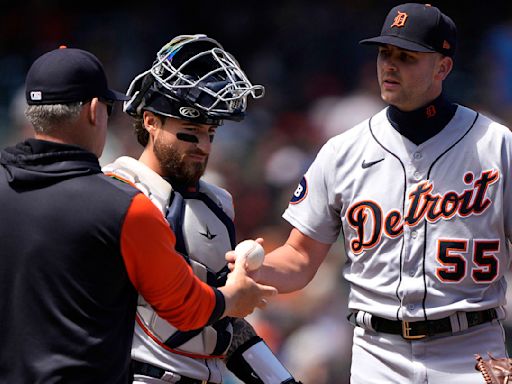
(398, 42)
(115, 95)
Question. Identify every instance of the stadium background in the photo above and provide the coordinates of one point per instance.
(318, 81)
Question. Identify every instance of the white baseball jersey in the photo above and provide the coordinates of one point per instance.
(202, 223)
(426, 227)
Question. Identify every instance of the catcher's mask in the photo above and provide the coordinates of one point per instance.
(193, 78)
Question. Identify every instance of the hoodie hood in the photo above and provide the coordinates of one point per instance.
(35, 163)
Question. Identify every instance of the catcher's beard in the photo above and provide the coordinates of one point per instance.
(174, 165)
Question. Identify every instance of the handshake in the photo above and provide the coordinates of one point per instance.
(242, 294)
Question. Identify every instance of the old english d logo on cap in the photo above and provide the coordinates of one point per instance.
(417, 27)
(399, 20)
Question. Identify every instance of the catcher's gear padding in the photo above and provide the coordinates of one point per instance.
(193, 78)
(254, 363)
(495, 370)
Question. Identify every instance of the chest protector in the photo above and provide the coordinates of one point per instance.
(202, 222)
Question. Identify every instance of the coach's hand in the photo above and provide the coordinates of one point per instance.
(243, 294)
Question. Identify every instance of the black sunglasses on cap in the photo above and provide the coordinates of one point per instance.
(107, 102)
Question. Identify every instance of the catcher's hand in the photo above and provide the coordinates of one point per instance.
(495, 371)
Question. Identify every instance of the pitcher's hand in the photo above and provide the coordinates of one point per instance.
(231, 259)
(243, 294)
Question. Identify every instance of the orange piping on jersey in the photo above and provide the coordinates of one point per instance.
(120, 178)
(158, 272)
(148, 332)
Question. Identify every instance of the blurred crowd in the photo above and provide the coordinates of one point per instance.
(318, 81)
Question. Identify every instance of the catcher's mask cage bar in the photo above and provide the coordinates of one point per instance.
(231, 98)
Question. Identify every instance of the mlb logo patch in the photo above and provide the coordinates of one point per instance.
(36, 95)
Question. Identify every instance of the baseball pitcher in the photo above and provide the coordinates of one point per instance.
(422, 196)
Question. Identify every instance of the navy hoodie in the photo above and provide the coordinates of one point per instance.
(68, 300)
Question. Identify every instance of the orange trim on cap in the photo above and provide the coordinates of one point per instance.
(158, 272)
(153, 337)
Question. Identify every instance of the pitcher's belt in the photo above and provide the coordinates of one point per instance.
(412, 330)
(146, 369)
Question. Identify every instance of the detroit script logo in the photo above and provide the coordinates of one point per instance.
(423, 206)
(455, 259)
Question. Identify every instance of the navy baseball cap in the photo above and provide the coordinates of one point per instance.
(417, 27)
(67, 75)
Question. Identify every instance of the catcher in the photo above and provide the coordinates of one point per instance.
(192, 86)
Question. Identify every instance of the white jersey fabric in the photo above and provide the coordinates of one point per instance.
(427, 227)
(426, 230)
(202, 223)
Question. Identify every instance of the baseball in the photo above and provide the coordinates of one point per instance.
(251, 252)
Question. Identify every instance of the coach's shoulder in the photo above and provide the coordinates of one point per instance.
(116, 187)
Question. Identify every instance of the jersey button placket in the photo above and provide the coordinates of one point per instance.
(415, 164)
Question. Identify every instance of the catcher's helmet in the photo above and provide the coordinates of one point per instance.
(193, 78)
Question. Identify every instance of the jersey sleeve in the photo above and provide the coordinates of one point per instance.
(507, 193)
(160, 274)
(314, 208)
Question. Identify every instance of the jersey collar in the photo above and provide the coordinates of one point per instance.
(423, 123)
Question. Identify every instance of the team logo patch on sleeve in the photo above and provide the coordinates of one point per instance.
(301, 192)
